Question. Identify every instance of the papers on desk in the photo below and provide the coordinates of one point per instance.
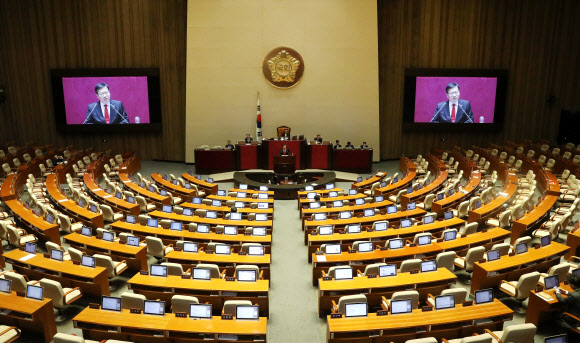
(126, 181)
(27, 257)
(545, 296)
(320, 258)
(96, 189)
(62, 200)
(464, 191)
(503, 194)
(107, 196)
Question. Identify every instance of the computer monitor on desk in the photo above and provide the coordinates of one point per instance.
(262, 205)
(391, 209)
(411, 206)
(187, 212)
(396, 243)
(378, 198)
(308, 188)
(365, 247)
(401, 306)
(201, 274)
(230, 230)
(247, 312)
(444, 302)
(355, 310)
(166, 209)
(108, 236)
(337, 203)
(34, 292)
(200, 311)
(263, 196)
(189, 247)
(332, 249)
(57, 255)
(450, 235)
(154, 307)
(30, 248)
(388, 270)
(551, 282)
(130, 219)
(222, 249)
(521, 248)
(406, 223)
(202, 228)
(256, 250)
(330, 186)
(332, 194)
(261, 217)
(133, 241)
(235, 216)
(221, 193)
(259, 231)
(428, 266)
(353, 228)
(111, 303)
(428, 219)
(176, 226)
(243, 186)
(158, 270)
(343, 273)
(5, 286)
(239, 204)
(493, 255)
(345, 215)
(352, 192)
(448, 215)
(211, 214)
(369, 212)
(319, 216)
(246, 275)
(196, 201)
(484, 296)
(216, 203)
(152, 222)
(380, 226)
(557, 339)
(88, 261)
(546, 240)
(424, 240)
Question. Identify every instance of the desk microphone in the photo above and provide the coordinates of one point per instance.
(442, 107)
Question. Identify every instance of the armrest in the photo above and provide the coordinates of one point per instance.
(323, 273)
(571, 316)
(408, 241)
(378, 246)
(262, 274)
(188, 271)
(574, 258)
(492, 335)
(334, 307)
(503, 290)
(10, 328)
(443, 340)
(223, 274)
(118, 264)
(358, 273)
(72, 290)
(429, 295)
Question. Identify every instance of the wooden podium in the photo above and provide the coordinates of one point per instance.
(284, 165)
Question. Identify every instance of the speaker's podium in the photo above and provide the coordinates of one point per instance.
(284, 165)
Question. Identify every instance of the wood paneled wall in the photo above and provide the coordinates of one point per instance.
(536, 41)
(37, 36)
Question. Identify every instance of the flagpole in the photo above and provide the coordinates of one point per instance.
(258, 121)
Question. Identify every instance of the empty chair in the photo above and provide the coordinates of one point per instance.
(373, 268)
(143, 205)
(446, 260)
(181, 303)
(518, 333)
(374, 186)
(396, 198)
(230, 306)
(468, 229)
(156, 247)
(113, 268)
(66, 225)
(520, 290)
(503, 220)
(246, 246)
(401, 295)
(426, 204)
(469, 339)
(50, 246)
(347, 299)
(174, 200)
(466, 263)
(17, 237)
(560, 269)
(419, 235)
(460, 295)
(75, 254)
(175, 269)
(411, 264)
(9, 334)
(19, 282)
(504, 248)
(109, 215)
(61, 297)
(214, 270)
(131, 300)
(462, 210)
(550, 164)
(254, 268)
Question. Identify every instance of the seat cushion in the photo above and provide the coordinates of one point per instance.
(8, 335)
(70, 296)
(150, 207)
(492, 222)
(119, 269)
(26, 239)
(509, 287)
(117, 216)
(460, 262)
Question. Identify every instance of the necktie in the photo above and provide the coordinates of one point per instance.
(107, 114)
(453, 114)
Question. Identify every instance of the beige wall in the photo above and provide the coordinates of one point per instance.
(337, 97)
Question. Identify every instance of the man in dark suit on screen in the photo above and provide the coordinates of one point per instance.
(454, 110)
(106, 111)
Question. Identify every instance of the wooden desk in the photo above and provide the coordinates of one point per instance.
(7, 192)
(540, 309)
(91, 182)
(91, 219)
(431, 282)
(136, 257)
(352, 160)
(453, 201)
(321, 191)
(406, 166)
(216, 291)
(35, 225)
(486, 211)
(367, 183)
(573, 241)
(215, 160)
(246, 200)
(490, 274)
(452, 323)
(318, 156)
(28, 315)
(533, 219)
(176, 190)
(225, 209)
(158, 199)
(208, 188)
(212, 222)
(306, 213)
(100, 324)
(420, 194)
(306, 202)
(93, 281)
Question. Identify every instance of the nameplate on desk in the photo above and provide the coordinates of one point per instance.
(94, 306)
(336, 315)
(384, 248)
(209, 252)
(467, 303)
(537, 246)
(144, 272)
(382, 313)
(412, 245)
(230, 278)
(439, 240)
(185, 276)
(313, 234)
(352, 251)
(107, 196)
(126, 181)
(327, 278)
(227, 317)
(135, 311)
(318, 252)
(426, 308)
(513, 253)
(46, 255)
(371, 276)
(414, 271)
(177, 249)
(77, 263)
(20, 294)
(247, 233)
(482, 260)
(484, 230)
(242, 253)
(180, 315)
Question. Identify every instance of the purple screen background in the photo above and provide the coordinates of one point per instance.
(479, 91)
(79, 92)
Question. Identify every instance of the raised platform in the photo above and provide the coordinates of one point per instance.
(284, 187)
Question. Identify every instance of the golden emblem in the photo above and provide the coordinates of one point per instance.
(283, 67)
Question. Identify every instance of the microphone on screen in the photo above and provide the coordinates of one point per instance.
(442, 107)
(88, 115)
(469, 120)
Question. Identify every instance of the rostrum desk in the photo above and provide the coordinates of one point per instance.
(28, 314)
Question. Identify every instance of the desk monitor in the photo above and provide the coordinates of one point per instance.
(332, 249)
(406, 223)
(165, 177)
(231, 230)
(262, 205)
(493, 255)
(201, 274)
(154, 307)
(246, 275)
(392, 209)
(241, 195)
(443, 302)
(345, 215)
(448, 215)
(50, 217)
(365, 247)
(5, 285)
(142, 184)
(355, 310)
(325, 230)
(203, 228)
(369, 212)
(428, 219)
(359, 201)
(409, 190)
(401, 306)
(243, 186)
(261, 217)
(86, 231)
(388, 270)
(353, 228)
(151, 189)
(551, 282)
(163, 192)
(563, 338)
(576, 272)
(216, 203)
(34, 292)
(484, 296)
(211, 214)
(200, 311)
(118, 195)
(352, 192)
(333, 194)
(395, 179)
(343, 273)
(158, 270)
(319, 216)
(176, 226)
(174, 182)
(37, 212)
(110, 303)
(221, 193)
(330, 186)
(396, 243)
(187, 212)
(210, 180)
(259, 231)
(477, 204)
(57, 254)
(450, 235)
(379, 198)
(262, 195)
(131, 200)
(440, 196)
(256, 250)
(152, 222)
(380, 226)
(133, 241)
(424, 240)
(309, 188)
(546, 240)
(239, 204)
(359, 179)
(420, 186)
(411, 206)
(88, 261)
(383, 184)
(247, 312)
(337, 203)
(196, 201)
(81, 203)
(187, 185)
(310, 195)
(428, 266)
(222, 249)
(521, 248)
(30, 248)
(451, 192)
(235, 216)
(108, 236)
(189, 247)
(93, 208)
(263, 188)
